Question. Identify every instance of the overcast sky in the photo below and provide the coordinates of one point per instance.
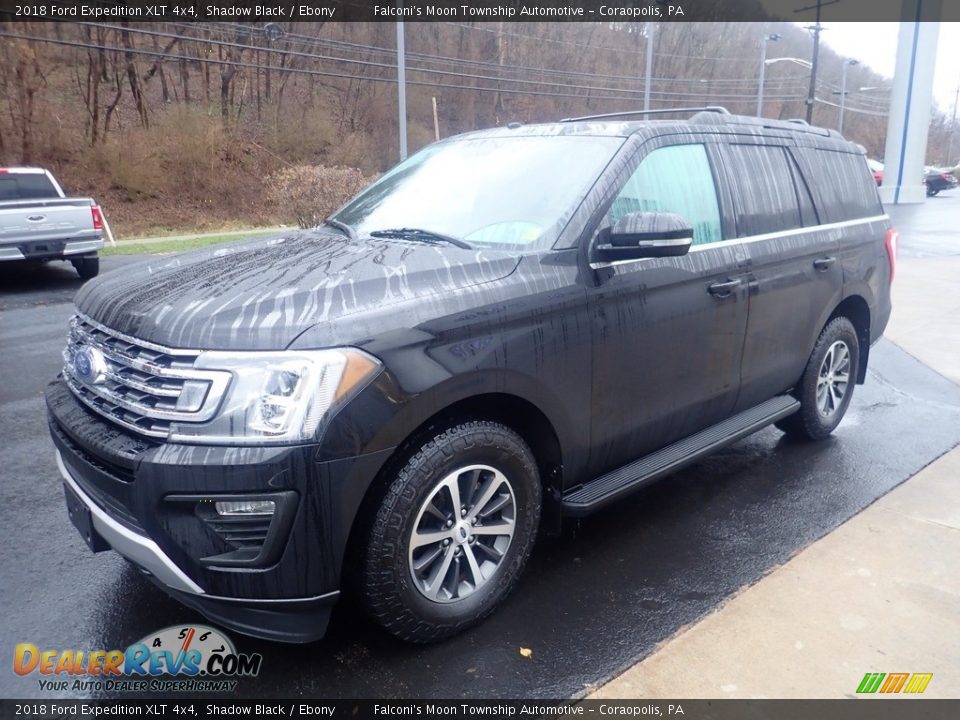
(875, 44)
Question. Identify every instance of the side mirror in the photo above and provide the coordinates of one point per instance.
(645, 235)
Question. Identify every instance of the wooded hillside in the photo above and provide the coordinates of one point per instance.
(178, 126)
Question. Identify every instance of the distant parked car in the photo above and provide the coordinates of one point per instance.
(937, 180)
(39, 222)
(877, 169)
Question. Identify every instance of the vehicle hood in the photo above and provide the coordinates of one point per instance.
(262, 294)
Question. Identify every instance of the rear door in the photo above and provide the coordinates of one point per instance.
(796, 278)
(668, 332)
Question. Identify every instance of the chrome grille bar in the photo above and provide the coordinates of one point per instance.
(145, 387)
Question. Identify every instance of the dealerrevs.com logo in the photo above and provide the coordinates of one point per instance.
(193, 658)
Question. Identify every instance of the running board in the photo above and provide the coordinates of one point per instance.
(617, 483)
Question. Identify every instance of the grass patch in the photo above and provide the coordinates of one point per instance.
(176, 246)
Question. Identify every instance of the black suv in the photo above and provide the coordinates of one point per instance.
(510, 327)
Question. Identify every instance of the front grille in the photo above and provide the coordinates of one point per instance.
(142, 386)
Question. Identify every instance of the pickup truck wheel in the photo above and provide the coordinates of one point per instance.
(87, 267)
(452, 533)
(827, 384)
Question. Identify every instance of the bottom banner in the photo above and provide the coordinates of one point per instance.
(852, 709)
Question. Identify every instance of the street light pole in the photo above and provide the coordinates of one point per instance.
(651, 29)
(843, 91)
(402, 88)
(763, 69)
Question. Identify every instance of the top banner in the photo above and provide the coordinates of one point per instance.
(283, 11)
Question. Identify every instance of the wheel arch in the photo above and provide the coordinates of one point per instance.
(515, 412)
(857, 311)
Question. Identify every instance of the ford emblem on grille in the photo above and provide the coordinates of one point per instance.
(90, 365)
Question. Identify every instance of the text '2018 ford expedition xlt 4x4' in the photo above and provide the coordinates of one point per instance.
(509, 327)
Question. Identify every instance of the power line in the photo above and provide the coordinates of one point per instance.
(390, 66)
(324, 73)
(342, 44)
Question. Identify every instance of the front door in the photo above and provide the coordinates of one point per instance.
(667, 332)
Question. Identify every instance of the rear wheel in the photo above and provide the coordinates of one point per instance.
(87, 267)
(827, 384)
(453, 532)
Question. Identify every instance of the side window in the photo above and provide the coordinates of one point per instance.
(764, 190)
(846, 188)
(675, 179)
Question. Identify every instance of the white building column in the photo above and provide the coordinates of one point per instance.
(910, 103)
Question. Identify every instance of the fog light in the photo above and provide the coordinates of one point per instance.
(246, 507)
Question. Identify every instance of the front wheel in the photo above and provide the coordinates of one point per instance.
(452, 533)
(826, 387)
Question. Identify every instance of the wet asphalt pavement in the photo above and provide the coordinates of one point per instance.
(591, 602)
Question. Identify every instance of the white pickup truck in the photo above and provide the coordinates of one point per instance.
(38, 222)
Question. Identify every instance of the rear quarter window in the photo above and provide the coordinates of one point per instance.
(26, 186)
(842, 183)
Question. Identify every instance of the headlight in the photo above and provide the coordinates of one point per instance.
(277, 397)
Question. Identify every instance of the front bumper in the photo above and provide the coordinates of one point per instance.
(296, 620)
(146, 500)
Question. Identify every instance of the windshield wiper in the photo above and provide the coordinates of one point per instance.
(421, 234)
(342, 227)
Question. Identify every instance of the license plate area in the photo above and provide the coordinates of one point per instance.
(82, 520)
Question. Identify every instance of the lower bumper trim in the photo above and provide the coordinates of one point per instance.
(295, 621)
(137, 548)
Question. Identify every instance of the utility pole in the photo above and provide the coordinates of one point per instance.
(816, 29)
(651, 28)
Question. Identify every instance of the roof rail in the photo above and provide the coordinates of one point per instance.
(660, 111)
(793, 125)
(798, 121)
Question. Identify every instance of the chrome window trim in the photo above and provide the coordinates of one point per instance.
(792, 231)
(756, 238)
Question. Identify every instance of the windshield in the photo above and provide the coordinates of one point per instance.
(505, 192)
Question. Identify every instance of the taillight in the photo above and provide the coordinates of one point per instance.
(891, 241)
(3, 171)
(947, 176)
(97, 217)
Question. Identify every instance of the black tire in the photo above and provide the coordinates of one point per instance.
(387, 586)
(87, 267)
(810, 422)
(932, 193)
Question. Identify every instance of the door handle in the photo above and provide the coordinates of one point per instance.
(823, 264)
(724, 289)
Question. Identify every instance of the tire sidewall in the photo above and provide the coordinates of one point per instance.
(839, 329)
(508, 454)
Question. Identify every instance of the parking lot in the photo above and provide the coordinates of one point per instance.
(590, 604)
